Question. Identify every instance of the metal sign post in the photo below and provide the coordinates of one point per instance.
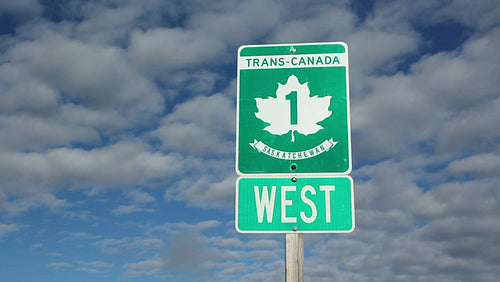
(294, 256)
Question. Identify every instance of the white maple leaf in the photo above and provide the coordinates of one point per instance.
(293, 109)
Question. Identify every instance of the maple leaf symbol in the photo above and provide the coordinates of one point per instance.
(293, 109)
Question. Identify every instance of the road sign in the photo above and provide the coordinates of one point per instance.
(293, 109)
(288, 204)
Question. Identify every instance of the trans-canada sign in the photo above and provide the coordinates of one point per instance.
(293, 109)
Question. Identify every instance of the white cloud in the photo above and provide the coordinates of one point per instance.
(379, 51)
(266, 272)
(23, 132)
(438, 223)
(205, 192)
(146, 267)
(469, 13)
(393, 118)
(8, 228)
(225, 242)
(263, 244)
(236, 23)
(21, 8)
(128, 209)
(60, 91)
(120, 164)
(163, 50)
(36, 245)
(123, 164)
(138, 196)
(72, 236)
(460, 79)
(94, 75)
(106, 24)
(139, 246)
(472, 130)
(32, 96)
(201, 126)
(485, 164)
(318, 23)
(189, 254)
(60, 265)
(31, 199)
(184, 227)
(96, 264)
(441, 103)
(89, 270)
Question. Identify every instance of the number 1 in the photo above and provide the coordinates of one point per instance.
(292, 97)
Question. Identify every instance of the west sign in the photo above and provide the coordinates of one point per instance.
(294, 204)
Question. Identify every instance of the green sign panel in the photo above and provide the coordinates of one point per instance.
(293, 109)
(289, 204)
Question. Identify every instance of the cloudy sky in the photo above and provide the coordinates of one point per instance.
(117, 139)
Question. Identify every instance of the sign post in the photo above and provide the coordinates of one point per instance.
(294, 257)
(293, 145)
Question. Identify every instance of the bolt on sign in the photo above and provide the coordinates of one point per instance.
(286, 204)
(293, 109)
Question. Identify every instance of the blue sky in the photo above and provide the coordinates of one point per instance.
(117, 140)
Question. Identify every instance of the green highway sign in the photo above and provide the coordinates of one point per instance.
(294, 204)
(293, 109)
